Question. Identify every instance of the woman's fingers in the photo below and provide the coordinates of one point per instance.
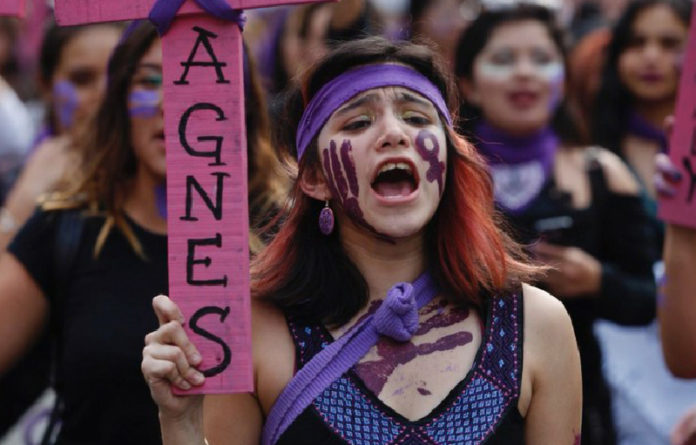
(172, 333)
(666, 175)
(156, 370)
(166, 310)
(171, 363)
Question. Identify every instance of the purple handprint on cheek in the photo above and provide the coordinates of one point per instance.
(436, 171)
(343, 182)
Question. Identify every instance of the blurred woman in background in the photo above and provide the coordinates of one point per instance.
(639, 88)
(89, 260)
(577, 207)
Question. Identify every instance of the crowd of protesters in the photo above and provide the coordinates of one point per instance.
(505, 157)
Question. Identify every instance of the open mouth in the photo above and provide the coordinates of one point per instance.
(395, 179)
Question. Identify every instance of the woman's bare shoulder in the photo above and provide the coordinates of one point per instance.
(547, 323)
(618, 175)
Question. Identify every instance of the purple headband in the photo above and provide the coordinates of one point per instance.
(347, 85)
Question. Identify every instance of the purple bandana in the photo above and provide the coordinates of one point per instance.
(520, 166)
(396, 317)
(347, 85)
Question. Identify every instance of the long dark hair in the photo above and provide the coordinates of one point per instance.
(476, 37)
(467, 253)
(109, 162)
(614, 102)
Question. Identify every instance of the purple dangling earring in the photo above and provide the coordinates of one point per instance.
(326, 219)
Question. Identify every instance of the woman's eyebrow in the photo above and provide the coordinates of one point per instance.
(372, 97)
(410, 98)
(152, 66)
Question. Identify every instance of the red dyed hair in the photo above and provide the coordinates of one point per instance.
(468, 253)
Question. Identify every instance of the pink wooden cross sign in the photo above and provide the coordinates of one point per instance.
(13, 7)
(206, 173)
(681, 208)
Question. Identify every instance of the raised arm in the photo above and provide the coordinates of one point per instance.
(169, 358)
(552, 371)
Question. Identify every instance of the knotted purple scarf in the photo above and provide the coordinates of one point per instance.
(644, 129)
(397, 317)
(163, 12)
(520, 166)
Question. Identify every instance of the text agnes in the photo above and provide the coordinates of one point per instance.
(204, 252)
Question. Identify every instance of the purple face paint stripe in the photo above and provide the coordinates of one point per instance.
(352, 175)
(145, 96)
(340, 181)
(436, 171)
(144, 111)
(144, 103)
(340, 190)
(66, 101)
(161, 199)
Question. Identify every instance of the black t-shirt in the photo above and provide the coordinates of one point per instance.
(101, 319)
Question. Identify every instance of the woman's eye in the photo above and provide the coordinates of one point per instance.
(670, 43)
(357, 124)
(82, 77)
(542, 58)
(635, 42)
(150, 82)
(503, 58)
(416, 118)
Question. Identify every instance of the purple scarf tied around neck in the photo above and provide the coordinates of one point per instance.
(520, 166)
(396, 317)
(642, 128)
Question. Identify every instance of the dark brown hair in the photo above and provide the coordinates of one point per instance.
(109, 163)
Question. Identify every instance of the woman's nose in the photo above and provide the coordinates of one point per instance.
(394, 134)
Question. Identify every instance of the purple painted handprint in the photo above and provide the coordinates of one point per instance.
(376, 373)
(343, 182)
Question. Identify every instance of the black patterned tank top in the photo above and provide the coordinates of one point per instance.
(482, 408)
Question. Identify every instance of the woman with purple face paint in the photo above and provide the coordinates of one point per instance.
(87, 263)
(577, 207)
(639, 88)
(389, 308)
(72, 78)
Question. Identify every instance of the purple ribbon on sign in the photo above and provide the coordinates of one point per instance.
(396, 317)
(163, 12)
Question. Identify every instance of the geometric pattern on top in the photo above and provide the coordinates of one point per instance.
(468, 418)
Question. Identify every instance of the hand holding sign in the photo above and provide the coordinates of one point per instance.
(169, 357)
(206, 172)
(680, 208)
